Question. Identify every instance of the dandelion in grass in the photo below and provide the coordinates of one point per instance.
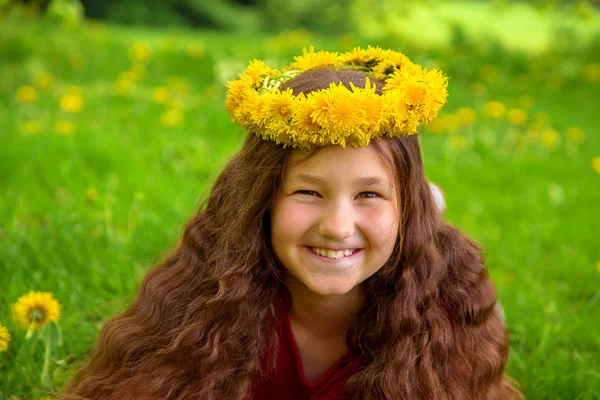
(598, 267)
(71, 103)
(550, 138)
(31, 127)
(494, 109)
(195, 50)
(124, 86)
(4, 338)
(517, 117)
(65, 128)
(596, 165)
(27, 94)
(591, 73)
(466, 115)
(140, 51)
(91, 195)
(44, 80)
(575, 135)
(160, 94)
(172, 117)
(35, 309)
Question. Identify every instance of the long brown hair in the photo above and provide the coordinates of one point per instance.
(204, 319)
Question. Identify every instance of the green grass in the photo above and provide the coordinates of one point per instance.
(533, 208)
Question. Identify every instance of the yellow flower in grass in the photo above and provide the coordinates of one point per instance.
(4, 338)
(160, 94)
(27, 94)
(596, 164)
(466, 115)
(494, 109)
(140, 51)
(575, 134)
(44, 80)
(517, 117)
(65, 128)
(172, 117)
(195, 50)
(598, 267)
(31, 127)
(591, 73)
(550, 138)
(71, 103)
(35, 309)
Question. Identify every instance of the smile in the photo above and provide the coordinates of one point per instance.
(333, 254)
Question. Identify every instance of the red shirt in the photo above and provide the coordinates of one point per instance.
(289, 382)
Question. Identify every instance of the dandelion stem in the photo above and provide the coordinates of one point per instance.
(46, 369)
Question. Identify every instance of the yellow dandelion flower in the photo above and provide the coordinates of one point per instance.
(302, 119)
(65, 128)
(27, 94)
(344, 115)
(4, 338)
(598, 267)
(195, 50)
(140, 51)
(32, 127)
(396, 115)
(366, 57)
(550, 138)
(124, 86)
(494, 109)
(596, 164)
(391, 63)
(71, 103)
(591, 73)
(257, 70)
(444, 123)
(91, 195)
(371, 105)
(416, 94)
(458, 142)
(575, 134)
(172, 117)
(466, 116)
(309, 59)
(35, 309)
(44, 80)
(516, 116)
(279, 105)
(160, 94)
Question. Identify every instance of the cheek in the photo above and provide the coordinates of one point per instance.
(382, 224)
(291, 220)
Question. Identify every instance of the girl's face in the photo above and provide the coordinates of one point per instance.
(334, 220)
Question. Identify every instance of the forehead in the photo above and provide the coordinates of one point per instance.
(340, 162)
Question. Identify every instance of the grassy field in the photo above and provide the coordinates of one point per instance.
(110, 137)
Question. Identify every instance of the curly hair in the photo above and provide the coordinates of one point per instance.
(205, 318)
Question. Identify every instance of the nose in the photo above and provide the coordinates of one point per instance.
(337, 222)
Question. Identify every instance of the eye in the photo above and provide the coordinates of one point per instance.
(368, 195)
(307, 192)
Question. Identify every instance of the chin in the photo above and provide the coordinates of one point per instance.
(331, 290)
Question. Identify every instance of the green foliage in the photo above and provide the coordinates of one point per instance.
(96, 193)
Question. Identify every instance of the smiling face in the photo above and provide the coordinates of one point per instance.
(334, 220)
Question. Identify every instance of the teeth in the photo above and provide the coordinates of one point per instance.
(333, 254)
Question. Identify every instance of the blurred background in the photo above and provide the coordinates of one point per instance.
(112, 128)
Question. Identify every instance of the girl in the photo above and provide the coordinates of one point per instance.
(318, 267)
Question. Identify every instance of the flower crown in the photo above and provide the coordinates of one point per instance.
(410, 96)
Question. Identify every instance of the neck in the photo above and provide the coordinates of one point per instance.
(324, 316)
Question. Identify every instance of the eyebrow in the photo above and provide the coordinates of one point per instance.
(363, 181)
